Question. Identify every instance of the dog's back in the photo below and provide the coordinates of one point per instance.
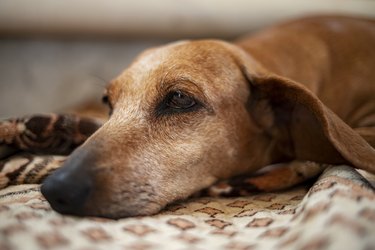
(332, 56)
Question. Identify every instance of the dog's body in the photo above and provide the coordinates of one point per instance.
(332, 57)
(190, 113)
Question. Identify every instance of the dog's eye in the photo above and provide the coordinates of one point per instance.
(105, 100)
(179, 100)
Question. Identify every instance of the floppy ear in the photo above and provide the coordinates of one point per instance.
(305, 128)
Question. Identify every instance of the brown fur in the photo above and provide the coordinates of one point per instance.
(298, 91)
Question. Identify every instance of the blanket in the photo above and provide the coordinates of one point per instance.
(335, 211)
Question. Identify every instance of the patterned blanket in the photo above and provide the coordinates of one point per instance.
(337, 211)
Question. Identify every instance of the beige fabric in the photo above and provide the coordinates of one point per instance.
(338, 212)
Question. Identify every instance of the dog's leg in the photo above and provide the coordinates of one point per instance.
(289, 174)
(270, 178)
(281, 176)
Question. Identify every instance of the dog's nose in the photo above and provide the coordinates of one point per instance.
(67, 192)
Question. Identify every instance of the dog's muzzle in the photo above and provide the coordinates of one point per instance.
(68, 188)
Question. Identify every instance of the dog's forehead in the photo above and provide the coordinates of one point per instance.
(146, 64)
(206, 62)
(153, 58)
(177, 58)
(185, 53)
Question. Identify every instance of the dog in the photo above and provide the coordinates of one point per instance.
(190, 113)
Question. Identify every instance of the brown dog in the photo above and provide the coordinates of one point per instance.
(189, 113)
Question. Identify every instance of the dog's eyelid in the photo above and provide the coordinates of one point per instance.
(188, 88)
(181, 82)
(106, 100)
(180, 100)
(177, 101)
(196, 95)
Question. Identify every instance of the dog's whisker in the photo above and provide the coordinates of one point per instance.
(99, 80)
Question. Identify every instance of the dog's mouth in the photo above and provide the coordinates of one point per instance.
(84, 201)
(80, 193)
(106, 196)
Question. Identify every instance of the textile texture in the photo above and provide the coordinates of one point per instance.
(336, 211)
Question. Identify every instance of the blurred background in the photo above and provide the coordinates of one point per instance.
(57, 54)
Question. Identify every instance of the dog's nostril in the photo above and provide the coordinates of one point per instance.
(61, 202)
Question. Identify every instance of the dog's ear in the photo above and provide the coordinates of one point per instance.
(307, 129)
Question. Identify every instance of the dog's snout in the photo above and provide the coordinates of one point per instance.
(67, 193)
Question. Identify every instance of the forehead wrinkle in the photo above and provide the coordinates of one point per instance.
(162, 61)
(155, 71)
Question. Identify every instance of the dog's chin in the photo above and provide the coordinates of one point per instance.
(113, 210)
(112, 214)
(118, 211)
(125, 213)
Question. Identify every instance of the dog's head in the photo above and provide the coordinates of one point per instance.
(183, 116)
